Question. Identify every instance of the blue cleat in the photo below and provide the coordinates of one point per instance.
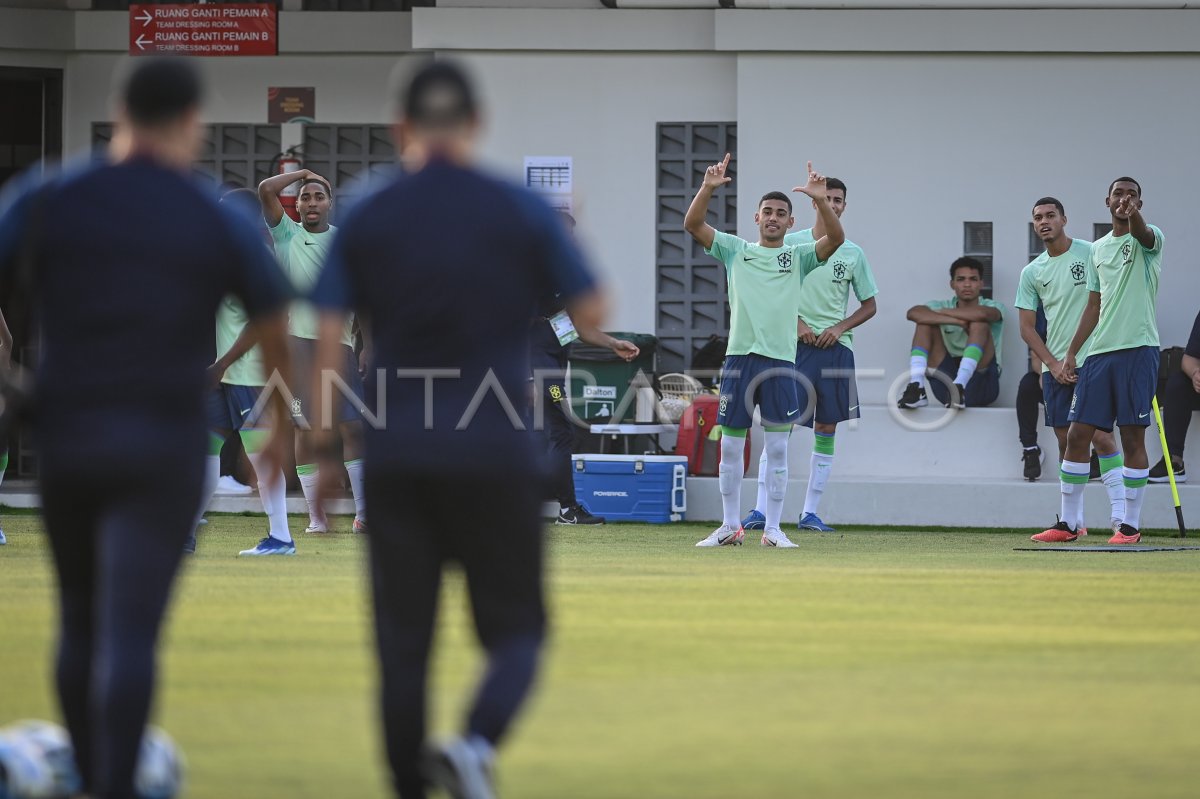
(271, 546)
(3, 540)
(754, 521)
(811, 521)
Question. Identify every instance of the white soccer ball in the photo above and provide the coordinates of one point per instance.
(37, 762)
(160, 766)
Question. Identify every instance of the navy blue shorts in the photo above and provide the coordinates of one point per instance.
(1116, 386)
(772, 385)
(346, 408)
(1057, 398)
(830, 372)
(231, 407)
(981, 390)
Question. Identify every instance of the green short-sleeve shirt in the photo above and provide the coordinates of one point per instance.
(1126, 275)
(248, 369)
(826, 291)
(1059, 283)
(302, 256)
(955, 337)
(764, 287)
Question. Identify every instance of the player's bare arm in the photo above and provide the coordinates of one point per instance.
(924, 315)
(269, 189)
(1087, 323)
(1191, 368)
(625, 350)
(833, 334)
(241, 345)
(974, 313)
(695, 220)
(1037, 346)
(1137, 223)
(834, 236)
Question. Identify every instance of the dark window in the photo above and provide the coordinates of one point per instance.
(977, 243)
(1100, 230)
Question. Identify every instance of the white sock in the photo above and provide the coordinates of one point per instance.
(308, 484)
(1072, 493)
(761, 503)
(212, 473)
(1114, 484)
(966, 368)
(775, 448)
(1135, 496)
(917, 365)
(274, 498)
(819, 467)
(729, 479)
(354, 470)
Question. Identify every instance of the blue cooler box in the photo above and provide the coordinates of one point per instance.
(634, 488)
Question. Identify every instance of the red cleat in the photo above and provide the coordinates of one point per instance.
(1126, 535)
(1060, 533)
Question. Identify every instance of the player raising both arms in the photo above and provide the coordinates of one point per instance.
(764, 290)
(823, 355)
(1058, 280)
(301, 249)
(1118, 380)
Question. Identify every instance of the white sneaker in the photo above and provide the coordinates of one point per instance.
(774, 537)
(317, 527)
(228, 485)
(461, 768)
(724, 536)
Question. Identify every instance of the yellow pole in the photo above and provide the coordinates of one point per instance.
(1162, 437)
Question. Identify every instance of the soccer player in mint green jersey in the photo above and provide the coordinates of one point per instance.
(824, 355)
(301, 248)
(765, 279)
(962, 336)
(1057, 279)
(1116, 383)
(237, 378)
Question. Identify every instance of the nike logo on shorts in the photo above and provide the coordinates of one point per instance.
(854, 407)
(1143, 415)
(793, 413)
(246, 411)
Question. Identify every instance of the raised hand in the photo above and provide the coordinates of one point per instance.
(815, 187)
(1125, 207)
(714, 176)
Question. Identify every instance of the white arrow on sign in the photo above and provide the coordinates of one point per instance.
(144, 18)
(138, 41)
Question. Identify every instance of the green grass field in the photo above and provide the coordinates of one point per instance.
(864, 664)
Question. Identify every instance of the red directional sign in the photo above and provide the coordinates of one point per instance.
(209, 30)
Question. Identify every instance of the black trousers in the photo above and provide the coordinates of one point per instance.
(556, 428)
(413, 539)
(1179, 401)
(1029, 396)
(117, 537)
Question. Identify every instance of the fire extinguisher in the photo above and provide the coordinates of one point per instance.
(289, 162)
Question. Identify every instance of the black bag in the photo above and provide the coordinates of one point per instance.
(709, 358)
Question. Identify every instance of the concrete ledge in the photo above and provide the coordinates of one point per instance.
(946, 502)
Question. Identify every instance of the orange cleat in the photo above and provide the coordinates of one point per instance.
(1125, 535)
(1060, 533)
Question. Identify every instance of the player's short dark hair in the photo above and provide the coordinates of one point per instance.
(440, 95)
(1050, 201)
(776, 195)
(966, 262)
(835, 183)
(161, 89)
(321, 183)
(1125, 180)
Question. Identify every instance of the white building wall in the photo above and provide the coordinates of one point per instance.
(926, 140)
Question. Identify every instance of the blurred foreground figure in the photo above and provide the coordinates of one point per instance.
(126, 303)
(449, 265)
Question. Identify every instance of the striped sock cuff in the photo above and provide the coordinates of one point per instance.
(823, 443)
(305, 469)
(352, 463)
(973, 351)
(1110, 462)
(254, 440)
(1073, 473)
(1135, 478)
(4, 460)
(919, 352)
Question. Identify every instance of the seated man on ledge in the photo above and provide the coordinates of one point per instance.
(963, 337)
